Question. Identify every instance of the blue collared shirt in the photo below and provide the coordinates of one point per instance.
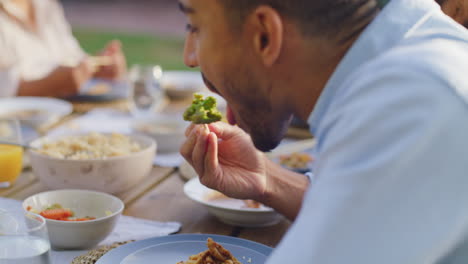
(391, 175)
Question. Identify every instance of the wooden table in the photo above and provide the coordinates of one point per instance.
(160, 197)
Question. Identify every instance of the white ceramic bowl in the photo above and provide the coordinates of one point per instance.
(231, 211)
(84, 234)
(111, 175)
(168, 131)
(182, 84)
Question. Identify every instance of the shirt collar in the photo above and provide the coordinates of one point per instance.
(393, 23)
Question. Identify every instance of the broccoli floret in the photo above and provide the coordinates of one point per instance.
(202, 111)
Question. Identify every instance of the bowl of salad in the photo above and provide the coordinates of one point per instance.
(76, 219)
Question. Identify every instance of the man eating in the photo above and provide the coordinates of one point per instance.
(382, 85)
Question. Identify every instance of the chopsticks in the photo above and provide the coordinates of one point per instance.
(99, 61)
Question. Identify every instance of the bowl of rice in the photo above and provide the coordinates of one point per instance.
(103, 162)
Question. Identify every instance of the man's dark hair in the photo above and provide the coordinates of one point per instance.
(343, 19)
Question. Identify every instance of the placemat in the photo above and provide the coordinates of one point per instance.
(94, 255)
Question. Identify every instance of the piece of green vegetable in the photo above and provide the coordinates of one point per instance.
(202, 111)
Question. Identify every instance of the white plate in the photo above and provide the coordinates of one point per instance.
(49, 110)
(231, 211)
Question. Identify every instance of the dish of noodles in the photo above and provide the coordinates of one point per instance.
(90, 146)
(189, 249)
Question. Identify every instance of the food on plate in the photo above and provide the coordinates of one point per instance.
(215, 195)
(57, 212)
(90, 146)
(202, 110)
(216, 254)
(252, 204)
(296, 160)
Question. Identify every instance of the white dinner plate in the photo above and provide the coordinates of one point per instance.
(231, 211)
(35, 111)
(174, 248)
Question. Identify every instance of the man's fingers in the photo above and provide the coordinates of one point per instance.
(199, 151)
(189, 129)
(211, 157)
(187, 148)
(224, 131)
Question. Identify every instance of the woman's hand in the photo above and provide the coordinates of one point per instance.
(117, 68)
(226, 160)
(64, 81)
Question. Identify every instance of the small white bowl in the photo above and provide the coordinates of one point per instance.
(231, 211)
(182, 84)
(83, 234)
(111, 175)
(168, 131)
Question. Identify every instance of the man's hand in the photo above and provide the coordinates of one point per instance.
(226, 160)
(117, 67)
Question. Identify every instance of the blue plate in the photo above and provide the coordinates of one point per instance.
(174, 248)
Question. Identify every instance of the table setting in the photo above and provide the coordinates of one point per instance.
(130, 156)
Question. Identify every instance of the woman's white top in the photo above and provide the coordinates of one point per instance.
(27, 55)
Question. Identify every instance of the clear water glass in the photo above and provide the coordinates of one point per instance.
(147, 94)
(23, 239)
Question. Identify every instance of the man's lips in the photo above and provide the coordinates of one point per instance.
(230, 116)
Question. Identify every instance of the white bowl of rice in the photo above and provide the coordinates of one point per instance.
(109, 163)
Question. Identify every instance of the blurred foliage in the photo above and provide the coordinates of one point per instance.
(138, 48)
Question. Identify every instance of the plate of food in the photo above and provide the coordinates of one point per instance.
(99, 90)
(34, 111)
(294, 155)
(300, 162)
(189, 249)
(245, 213)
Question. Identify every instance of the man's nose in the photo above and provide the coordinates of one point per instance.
(190, 54)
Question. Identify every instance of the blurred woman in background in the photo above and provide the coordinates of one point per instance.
(39, 55)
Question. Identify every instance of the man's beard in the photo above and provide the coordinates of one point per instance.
(266, 135)
(255, 115)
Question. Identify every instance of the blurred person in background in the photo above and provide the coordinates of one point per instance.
(39, 55)
(457, 9)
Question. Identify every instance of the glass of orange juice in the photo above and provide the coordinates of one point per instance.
(11, 157)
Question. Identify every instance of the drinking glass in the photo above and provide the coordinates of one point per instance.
(11, 157)
(23, 239)
(147, 95)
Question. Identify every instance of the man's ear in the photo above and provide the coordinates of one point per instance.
(267, 33)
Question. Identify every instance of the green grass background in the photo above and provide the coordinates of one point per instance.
(138, 48)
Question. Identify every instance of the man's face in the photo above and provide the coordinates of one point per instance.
(231, 68)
